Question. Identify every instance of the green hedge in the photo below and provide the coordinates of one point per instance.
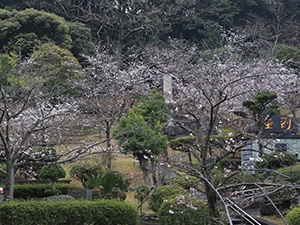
(29, 191)
(101, 212)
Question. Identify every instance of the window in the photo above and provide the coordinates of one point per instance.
(280, 147)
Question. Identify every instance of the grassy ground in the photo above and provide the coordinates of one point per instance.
(130, 169)
(125, 164)
(273, 219)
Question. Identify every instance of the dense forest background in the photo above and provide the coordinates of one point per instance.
(119, 25)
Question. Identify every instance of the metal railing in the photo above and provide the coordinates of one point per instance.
(246, 216)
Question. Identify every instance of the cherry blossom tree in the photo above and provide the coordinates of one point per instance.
(31, 122)
(113, 84)
(207, 87)
(26, 119)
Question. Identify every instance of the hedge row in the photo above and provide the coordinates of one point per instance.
(29, 191)
(101, 212)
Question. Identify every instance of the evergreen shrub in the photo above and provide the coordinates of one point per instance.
(100, 212)
(276, 160)
(290, 174)
(293, 216)
(183, 210)
(186, 182)
(161, 194)
(29, 191)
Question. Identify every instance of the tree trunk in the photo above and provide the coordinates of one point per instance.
(147, 170)
(154, 172)
(10, 181)
(211, 200)
(108, 145)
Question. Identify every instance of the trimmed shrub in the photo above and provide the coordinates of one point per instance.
(51, 192)
(183, 210)
(161, 194)
(52, 172)
(182, 143)
(186, 182)
(29, 191)
(293, 216)
(290, 174)
(241, 177)
(102, 212)
(276, 160)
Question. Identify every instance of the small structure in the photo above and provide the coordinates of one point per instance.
(81, 194)
(279, 134)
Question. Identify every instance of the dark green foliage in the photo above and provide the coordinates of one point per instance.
(161, 194)
(23, 31)
(137, 137)
(140, 132)
(8, 65)
(239, 178)
(113, 182)
(29, 191)
(56, 65)
(290, 174)
(36, 22)
(262, 106)
(110, 183)
(276, 160)
(265, 97)
(81, 171)
(221, 179)
(293, 216)
(23, 44)
(259, 104)
(93, 181)
(154, 109)
(102, 212)
(130, 23)
(289, 54)
(81, 39)
(52, 172)
(51, 192)
(13, 4)
(185, 182)
(241, 114)
(230, 163)
(182, 143)
(183, 210)
(285, 52)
